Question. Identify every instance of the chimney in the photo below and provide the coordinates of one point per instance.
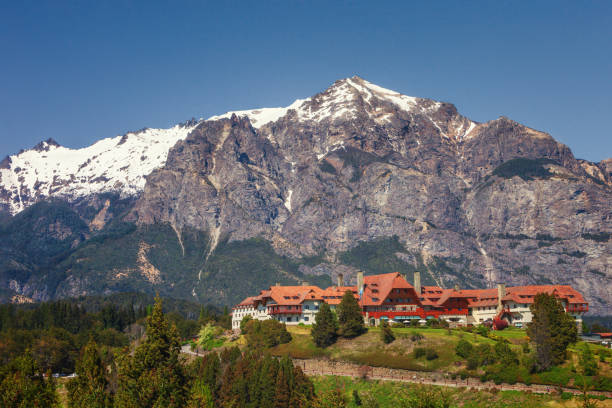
(304, 283)
(340, 278)
(501, 292)
(277, 284)
(417, 283)
(457, 287)
(360, 283)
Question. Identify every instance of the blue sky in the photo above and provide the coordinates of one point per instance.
(79, 71)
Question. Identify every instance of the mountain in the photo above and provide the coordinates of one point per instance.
(355, 177)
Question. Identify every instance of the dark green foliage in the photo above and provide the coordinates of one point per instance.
(551, 330)
(576, 254)
(378, 256)
(527, 169)
(22, 385)
(54, 332)
(91, 386)
(586, 359)
(332, 398)
(153, 375)
(419, 352)
(326, 167)
(483, 330)
(464, 348)
(253, 380)
(356, 398)
(431, 354)
(486, 354)
(240, 268)
(350, 320)
(324, 331)
(243, 323)
(262, 334)
(505, 355)
(597, 237)
(42, 233)
(386, 334)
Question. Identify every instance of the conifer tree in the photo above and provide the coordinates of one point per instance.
(153, 376)
(350, 320)
(551, 329)
(90, 388)
(386, 334)
(325, 329)
(282, 393)
(22, 385)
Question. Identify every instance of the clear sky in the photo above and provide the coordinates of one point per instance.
(78, 71)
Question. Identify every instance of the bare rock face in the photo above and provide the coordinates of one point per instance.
(358, 162)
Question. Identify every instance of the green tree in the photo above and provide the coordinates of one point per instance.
(22, 385)
(90, 388)
(464, 348)
(206, 336)
(386, 334)
(551, 330)
(266, 333)
(153, 375)
(243, 323)
(324, 331)
(505, 355)
(350, 319)
(333, 398)
(586, 359)
(201, 396)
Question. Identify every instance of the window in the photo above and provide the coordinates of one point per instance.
(288, 319)
(305, 318)
(306, 307)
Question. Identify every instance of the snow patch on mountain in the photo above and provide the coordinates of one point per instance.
(117, 164)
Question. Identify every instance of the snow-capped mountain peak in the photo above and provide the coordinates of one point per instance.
(121, 163)
(117, 164)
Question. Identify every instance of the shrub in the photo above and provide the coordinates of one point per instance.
(472, 362)
(416, 337)
(464, 348)
(431, 354)
(266, 333)
(386, 334)
(419, 352)
(243, 323)
(483, 330)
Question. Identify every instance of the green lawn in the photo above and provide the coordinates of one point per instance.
(390, 394)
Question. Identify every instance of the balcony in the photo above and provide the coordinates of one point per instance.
(275, 310)
(577, 309)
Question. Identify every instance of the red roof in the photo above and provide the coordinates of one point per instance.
(377, 288)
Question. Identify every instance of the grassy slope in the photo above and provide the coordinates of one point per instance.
(370, 350)
(385, 393)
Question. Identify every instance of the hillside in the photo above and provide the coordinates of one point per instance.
(355, 177)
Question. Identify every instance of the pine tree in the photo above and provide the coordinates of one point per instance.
(22, 385)
(551, 330)
(386, 334)
(153, 375)
(90, 388)
(325, 329)
(350, 320)
(282, 393)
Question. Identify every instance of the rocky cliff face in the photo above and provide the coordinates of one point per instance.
(362, 177)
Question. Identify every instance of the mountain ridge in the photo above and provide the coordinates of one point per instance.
(354, 177)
